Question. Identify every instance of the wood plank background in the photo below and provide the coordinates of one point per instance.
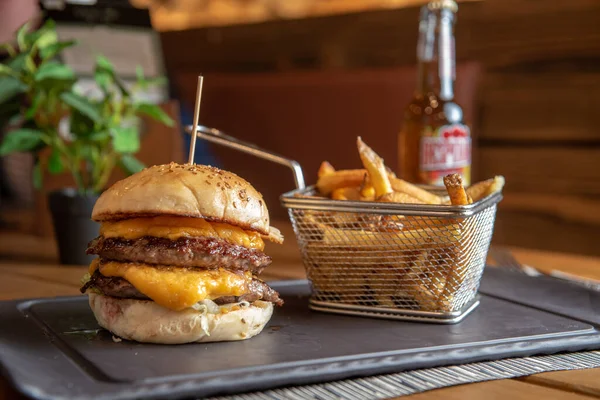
(536, 105)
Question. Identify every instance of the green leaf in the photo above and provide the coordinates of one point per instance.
(104, 64)
(29, 63)
(21, 140)
(81, 125)
(18, 62)
(144, 83)
(10, 87)
(37, 176)
(121, 86)
(139, 73)
(54, 70)
(54, 87)
(5, 70)
(54, 49)
(126, 139)
(21, 36)
(155, 112)
(99, 136)
(55, 164)
(82, 105)
(103, 79)
(44, 36)
(141, 79)
(104, 75)
(35, 104)
(85, 151)
(10, 49)
(158, 81)
(130, 164)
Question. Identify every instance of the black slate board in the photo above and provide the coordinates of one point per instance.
(49, 348)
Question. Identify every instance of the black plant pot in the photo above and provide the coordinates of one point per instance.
(73, 227)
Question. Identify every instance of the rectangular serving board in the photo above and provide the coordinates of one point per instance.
(53, 348)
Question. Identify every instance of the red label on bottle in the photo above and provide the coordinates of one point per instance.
(446, 151)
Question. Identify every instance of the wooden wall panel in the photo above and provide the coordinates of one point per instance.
(499, 33)
(545, 107)
(369, 39)
(551, 199)
(532, 228)
(539, 169)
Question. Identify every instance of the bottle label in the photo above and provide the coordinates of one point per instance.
(444, 151)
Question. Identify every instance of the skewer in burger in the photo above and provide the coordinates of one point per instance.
(180, 248)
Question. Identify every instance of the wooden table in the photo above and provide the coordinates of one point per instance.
(28, 268)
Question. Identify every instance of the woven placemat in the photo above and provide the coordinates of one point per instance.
(410, 382)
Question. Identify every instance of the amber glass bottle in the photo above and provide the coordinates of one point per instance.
(434, 141)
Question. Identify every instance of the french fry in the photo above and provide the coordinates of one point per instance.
(462, 255)
(399, 197)
(318, 220)
(376, 287)
(346, 193)
(328, 276)
(329, 271)
(426, 292)
(387, 223)
(454, 280)
(325, 169)
(417, 222)
(367, 191)
(367, 194)
(426, 197)
(483, 189)
(339, 179)
(456, 191)
(425, 281)
(375, 167)
(414, 239)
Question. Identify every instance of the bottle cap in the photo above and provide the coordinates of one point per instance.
(443, 4)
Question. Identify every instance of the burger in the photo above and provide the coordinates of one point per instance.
(179, 252)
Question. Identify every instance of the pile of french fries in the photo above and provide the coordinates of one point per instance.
(391, 260)
(376, 182)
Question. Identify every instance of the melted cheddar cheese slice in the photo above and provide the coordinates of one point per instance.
(177, 288)
(174, 228)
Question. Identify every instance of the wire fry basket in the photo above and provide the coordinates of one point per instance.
(401, 261)
(386, 260)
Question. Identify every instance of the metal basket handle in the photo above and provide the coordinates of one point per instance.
(219, 137)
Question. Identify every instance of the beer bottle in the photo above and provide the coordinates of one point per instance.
(434, 141)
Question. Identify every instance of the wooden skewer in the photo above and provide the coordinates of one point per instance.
(196, 116)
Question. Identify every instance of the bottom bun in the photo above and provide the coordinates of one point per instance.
(145, 321)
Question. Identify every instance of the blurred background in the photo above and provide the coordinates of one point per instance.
(303, 78)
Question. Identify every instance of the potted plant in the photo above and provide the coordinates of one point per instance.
(84, 135)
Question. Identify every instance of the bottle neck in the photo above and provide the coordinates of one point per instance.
(435, 54)
(425, 52)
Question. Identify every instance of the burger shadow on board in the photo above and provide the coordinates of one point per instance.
(179, 254)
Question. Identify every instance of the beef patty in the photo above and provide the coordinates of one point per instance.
(202, 252)
(119, 287)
